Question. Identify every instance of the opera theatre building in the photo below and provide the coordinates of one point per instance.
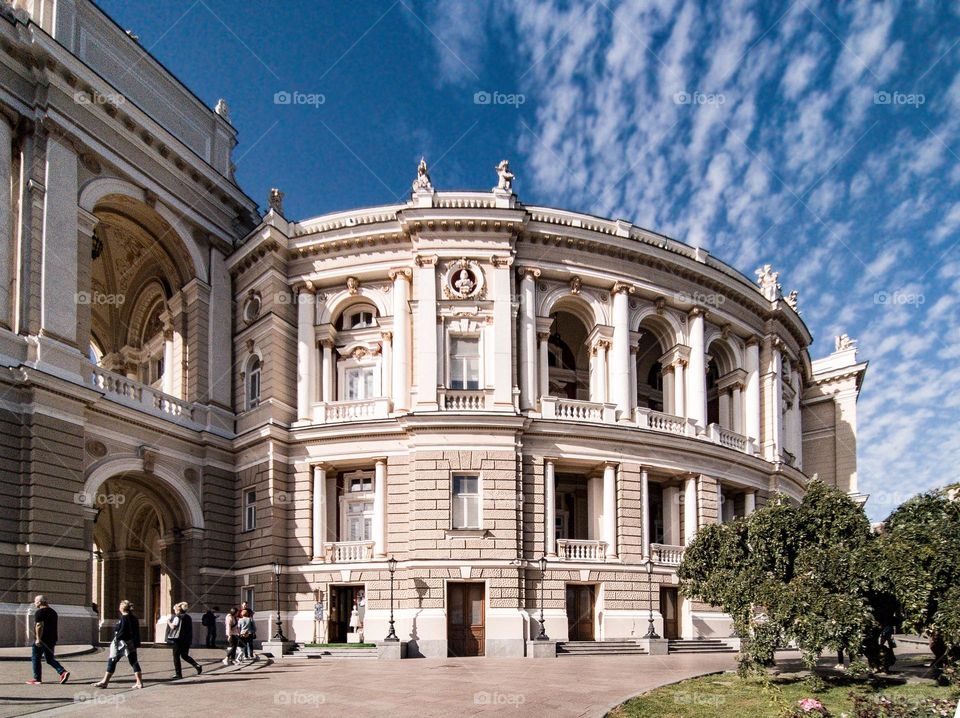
(193, 395)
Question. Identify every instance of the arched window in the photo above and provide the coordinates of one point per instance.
(568, 358)
(253, 383)
(358, 358)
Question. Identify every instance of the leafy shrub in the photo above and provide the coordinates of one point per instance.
(883, 707)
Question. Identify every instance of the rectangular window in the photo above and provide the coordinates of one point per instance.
(359, 383)
(249, 510)
(246, 596)
(464, 363)
(466, 502)
(361, 320)
(360, 521)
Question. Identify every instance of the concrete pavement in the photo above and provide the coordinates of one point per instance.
(570, 686)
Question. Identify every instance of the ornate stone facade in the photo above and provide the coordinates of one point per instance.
(461, 382)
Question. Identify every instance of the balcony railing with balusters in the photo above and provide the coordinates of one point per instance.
(555, 407)
(339, 411)
(143, 397)
(578, 550)
(465, 399)
(666, 554)
(348, 551)
(664, 423)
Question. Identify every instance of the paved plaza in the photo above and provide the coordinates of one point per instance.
(587, 686)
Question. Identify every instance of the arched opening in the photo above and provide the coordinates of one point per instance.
(251, 381)
(358, 371)
(143, 551)
(650, 373)
(725, 381)
(713, 393)
(135, 313)
(568, 358)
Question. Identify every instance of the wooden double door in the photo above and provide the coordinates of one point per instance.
(670, 610)
(465, 619)
(581, 605)
(342, 601)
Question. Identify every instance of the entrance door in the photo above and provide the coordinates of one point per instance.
(669, 609)
(465, 619)
(155, 601)
(580, 605)
(343, 599)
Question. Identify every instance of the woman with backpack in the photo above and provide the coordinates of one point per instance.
(126, 641)
(248, 634)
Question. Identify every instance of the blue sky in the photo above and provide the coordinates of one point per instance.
(823, 140)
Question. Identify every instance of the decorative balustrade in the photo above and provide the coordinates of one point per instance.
(665, 423)
(666, 554)
(349, 551)
(339, 411)
(553, 407)
(465, 399)
(576, 550)
(732, 440)
(135, 394)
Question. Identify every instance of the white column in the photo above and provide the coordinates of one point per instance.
(775, 406)
(401, 338)
(502, 331)
(7, 253)
(697, 374)
(680, 389)
(549, 508)
(633, 374)
(749, 503)
(425, 328)
(594, 508)
(528, 336)
(380, 508)
(751, 409)
(720, 512)
(319, 510)
(58, 306)
(306, 341)
(736, 401)
(620, 351)
(599, 369)
(645, 513)
(610, 509)
(544, 369)
(689, 510)
(671, 515)
(723, 400)
(386, 364)
(168, 371)
(669, 399)
(328, 371)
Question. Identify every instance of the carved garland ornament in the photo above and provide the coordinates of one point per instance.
(464, 280)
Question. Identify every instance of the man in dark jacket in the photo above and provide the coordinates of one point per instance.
(209, 620)
(180, 637)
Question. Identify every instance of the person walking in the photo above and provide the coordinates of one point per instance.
(231, 626)
(45, 642)
(248, 634)
(126, 641)
(180, 636)
(209, 620)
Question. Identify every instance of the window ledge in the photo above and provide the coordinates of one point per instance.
(466, 533)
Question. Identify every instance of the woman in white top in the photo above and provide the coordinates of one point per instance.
(233, 636)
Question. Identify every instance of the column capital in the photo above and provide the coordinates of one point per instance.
(426, 260)
(550, 460)
(752, 341)
(528, 272)
(697, 312)
(678, 354)
(623, 287)
(398, 272)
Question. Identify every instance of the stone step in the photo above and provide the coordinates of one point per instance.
(339, 653)
(699, 645)
(599, 648)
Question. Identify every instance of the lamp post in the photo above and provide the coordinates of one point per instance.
(278, 636)
(542, 636)
(391, 567)
(651, 632)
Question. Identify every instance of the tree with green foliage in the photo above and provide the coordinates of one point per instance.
(920, 543)
(805, 573)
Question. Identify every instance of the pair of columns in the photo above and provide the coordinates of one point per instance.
(607, 529)
(320, 508)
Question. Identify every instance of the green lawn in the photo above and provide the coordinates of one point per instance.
(726, 695)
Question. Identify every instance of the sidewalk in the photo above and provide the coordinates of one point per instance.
(23, 653)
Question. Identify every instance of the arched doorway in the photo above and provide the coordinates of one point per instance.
(569, 357)
(145, 549)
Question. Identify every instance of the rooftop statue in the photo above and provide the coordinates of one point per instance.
(505, 176)
(422, 183)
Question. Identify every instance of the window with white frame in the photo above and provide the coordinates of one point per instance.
(359, 317)
(356, 507)
(464, 362)
(253, 383)
(246, 596)
(360, 382)
(249, 510)
(466, 501)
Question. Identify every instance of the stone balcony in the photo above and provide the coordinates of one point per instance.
(465, 399)
(143, 397)
(336, 412)
(553, 407)
(348, 551)
(579, 550)
(666, 554)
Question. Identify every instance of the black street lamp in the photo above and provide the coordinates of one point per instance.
(391, 567)
(651, 632)
(542, 636)
(278, 636)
